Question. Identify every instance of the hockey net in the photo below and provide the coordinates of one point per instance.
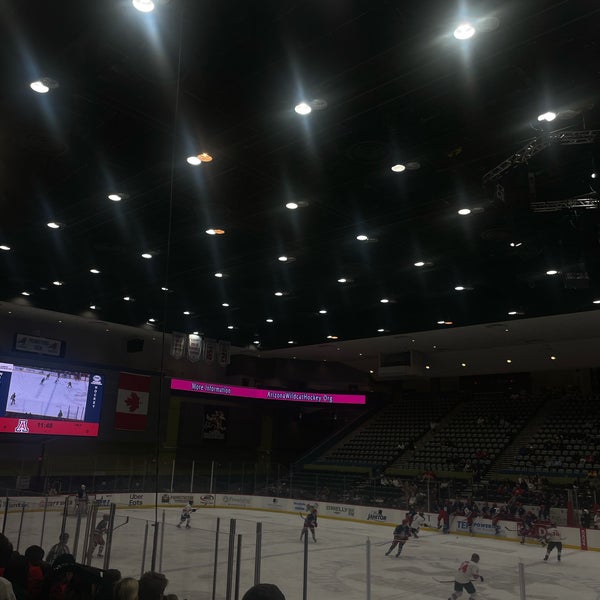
(75, 506)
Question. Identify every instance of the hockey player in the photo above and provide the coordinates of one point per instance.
(527, 527)
(98, 536)
(553, 539)
(82, 500)
(59, 549)
(186, 515)
(416, 523)
(13, 399)
(471, 511)
(401, 535)
(467, 573)
(310, 522)
(443, 521)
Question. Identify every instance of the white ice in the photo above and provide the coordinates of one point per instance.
(337, 562)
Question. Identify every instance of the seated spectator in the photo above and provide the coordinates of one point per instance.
(38, 571)
(6, 590)
(264, 591)
(152, 586)
(17, 572)
(126, 589)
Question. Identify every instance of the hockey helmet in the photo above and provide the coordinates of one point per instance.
(475, 557)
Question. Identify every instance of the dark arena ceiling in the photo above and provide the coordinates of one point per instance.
(133, 95)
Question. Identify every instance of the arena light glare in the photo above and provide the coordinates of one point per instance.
(145, 6)
(419, 263)
(95, 271)
(25, 294)
(547, 116)
(464, 211)
(219, 275)
(225, 304)
(322, 312)
(193, 160)
(291, 205)
(53, 225)
(551, 272)
(5, 248)
(115, 197)
(303, 108)
(464, 31)
(399, 168)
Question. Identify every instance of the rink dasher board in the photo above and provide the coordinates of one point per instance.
(573, 537)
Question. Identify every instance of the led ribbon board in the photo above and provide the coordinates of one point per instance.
(221, 389)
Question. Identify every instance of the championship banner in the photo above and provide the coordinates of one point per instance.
(194, 347)
(177, 345)
(209, 347)
(132, 402)
(224, 353)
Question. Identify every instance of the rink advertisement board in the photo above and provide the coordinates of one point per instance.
(222, 389)
(49, 401)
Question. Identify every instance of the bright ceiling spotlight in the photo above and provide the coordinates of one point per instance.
(43, 85)
(215, 231)
(219, 275)
(303, 108)
(596, 301)
(127, 298)
(95, 271)
(441, 322)
(516, 244)
(195, 332)
(512, 313)
(230, 327)
(398, 168)
(57, 283)
(427, 367)
(419, 263)
(551, 272)
(508, 360)
(553, 357)
(144, 6)
(25, 294)
(292, 205)
(464, 31)
(279, 294)
(269, 320)
(380, 330)
(463, 364)
(459, 288)
(594, 175)
(282, 259)
(204, 157)
(92, 307)
(164, 289)
(362, 237)
(342, 280)
(5, 248)
(256, 342)
(547, 116)
(187, 312)
(384, 301)
(324, 312)
(53, 225)
(291, 342)
(464, 211)
(225, 304)
(147, 255)
(332, 337)
(193, 160)
(115, 197)
(151, 320)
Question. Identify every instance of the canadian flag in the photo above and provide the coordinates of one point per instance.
(132, 402)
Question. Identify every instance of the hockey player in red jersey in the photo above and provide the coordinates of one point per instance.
(310, 522)
(401, 535)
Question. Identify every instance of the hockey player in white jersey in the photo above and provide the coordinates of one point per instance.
(416, 523)
(186, 515)
(553, 538)
(467, 573)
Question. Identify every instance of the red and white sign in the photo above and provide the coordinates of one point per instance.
(132, 402)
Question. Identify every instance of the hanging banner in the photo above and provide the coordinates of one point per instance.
(224, 353)
(194, 347)
(178, 345)
(132, 402)
(215, 424)
(209, 347)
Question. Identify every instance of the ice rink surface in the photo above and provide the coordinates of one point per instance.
(337, 561)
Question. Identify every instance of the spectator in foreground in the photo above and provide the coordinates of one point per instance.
(152, 586)
(264, 591)
(126, 589)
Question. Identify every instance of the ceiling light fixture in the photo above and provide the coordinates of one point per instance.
(596, 301)
(291, 342)
(398, 168)
(332, 337)
(230, 326)
(508, 360)
(512, 313)
(464, 211)
(464, 31)
(292, 205)
(256, 342)
(151, 320)
(57, 283)
(127, 298)
(463, 364)
(362, 237)
(25, 294)
(193, 160)
(553, 357)
(187, 312)
(225, 304)
(195, 333)
(144, 6)
(43, 85)
(342, 280)
(380, 330)
(219, 275)
(95, 271)
(115, 197)
(460, 288)
(204, 157)
(303, 108)
(279, 294)
(384, 301)
(269, 320)
(53, 225)
(147, 255)
(427, 367)
(419, 263)
(552, 272)
(324, 312)
(5, 248)
(283, 258)
(516, 244)
(547, 116)
(164, 289)
(594, 175)
(92, 307)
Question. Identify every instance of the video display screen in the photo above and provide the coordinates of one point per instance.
(49, 401)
